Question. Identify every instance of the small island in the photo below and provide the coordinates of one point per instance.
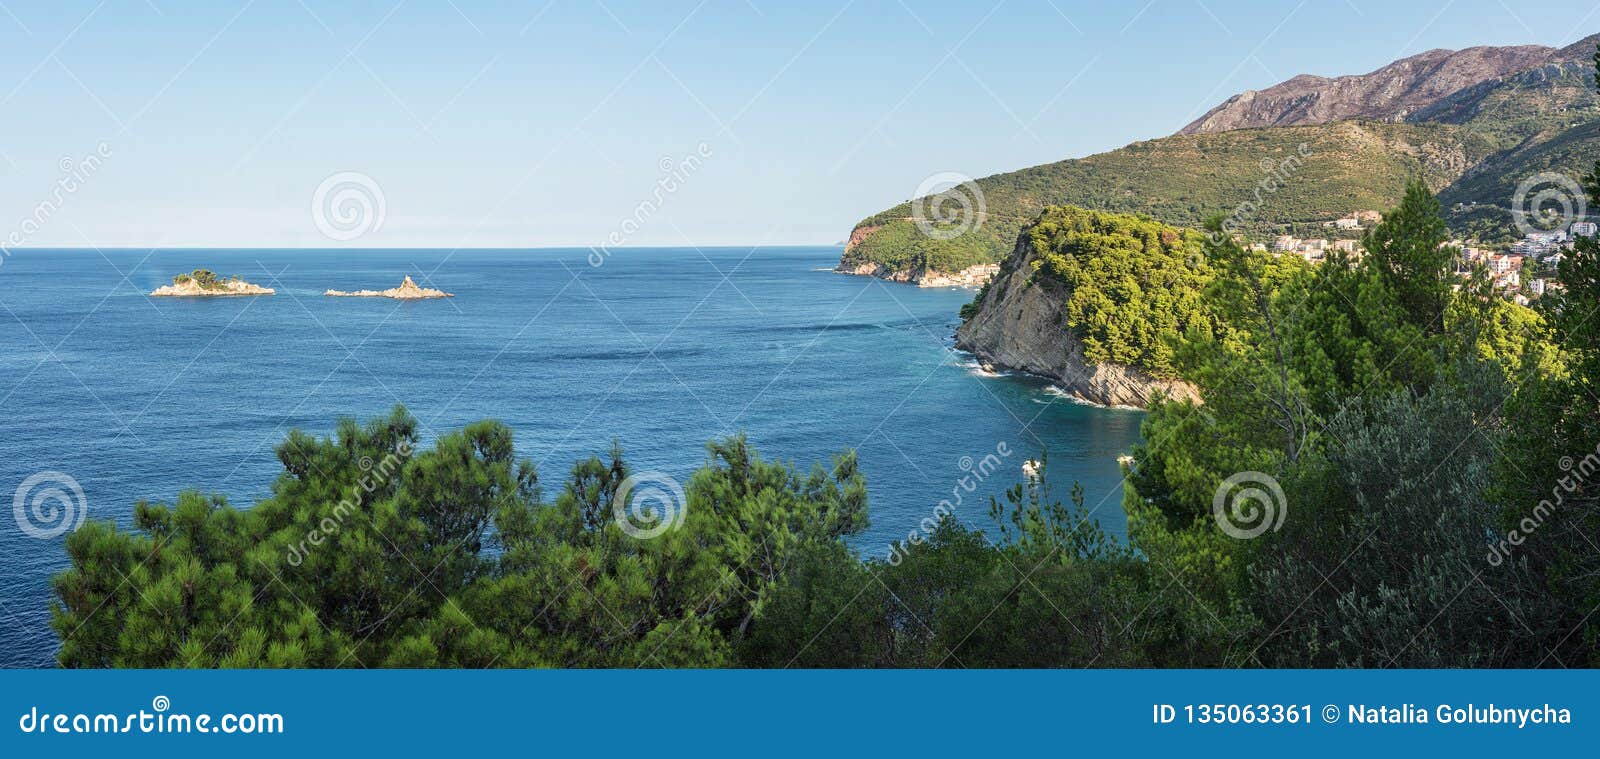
(203, 283)
(407, 290)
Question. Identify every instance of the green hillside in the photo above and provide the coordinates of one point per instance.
(1184, 179)
(1474, 147)
(1546, 120)
(1532, 105)
(1489, 190)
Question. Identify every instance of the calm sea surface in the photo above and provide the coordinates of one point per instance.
(659, 349)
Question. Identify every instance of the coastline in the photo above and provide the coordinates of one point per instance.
(972, 277)
(978, 367)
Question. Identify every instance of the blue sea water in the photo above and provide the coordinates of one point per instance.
(659, 349)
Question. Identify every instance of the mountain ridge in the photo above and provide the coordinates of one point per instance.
(1388, 93)
(1473, 123)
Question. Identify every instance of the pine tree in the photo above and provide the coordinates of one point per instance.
(1409, 250)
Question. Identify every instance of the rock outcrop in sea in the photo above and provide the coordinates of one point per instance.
(203, 284)
(972, 276)
(1020, 324)
(407, 290)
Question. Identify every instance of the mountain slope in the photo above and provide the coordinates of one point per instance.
(1516, 107)
(1388, 94)
(1482, 201)
(1182, 180)
(1473, 123)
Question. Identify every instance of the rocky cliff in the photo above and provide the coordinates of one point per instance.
(1393, 93)
(1020, 323)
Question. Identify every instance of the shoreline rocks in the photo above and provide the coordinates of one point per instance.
(407, 290)
(971, 277)
(203, 284)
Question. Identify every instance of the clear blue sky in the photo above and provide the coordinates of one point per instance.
(490, 124)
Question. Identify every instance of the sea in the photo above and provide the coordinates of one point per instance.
(109, 397)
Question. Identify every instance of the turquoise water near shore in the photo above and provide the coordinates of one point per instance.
(658, 349)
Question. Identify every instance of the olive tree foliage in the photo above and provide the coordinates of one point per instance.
(1386, 561)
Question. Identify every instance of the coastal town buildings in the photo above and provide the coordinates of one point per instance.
(1315, 250)
(1522, 269)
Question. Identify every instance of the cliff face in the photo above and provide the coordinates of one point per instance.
(859, 234)
(1020, 325)
(1395, 92)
